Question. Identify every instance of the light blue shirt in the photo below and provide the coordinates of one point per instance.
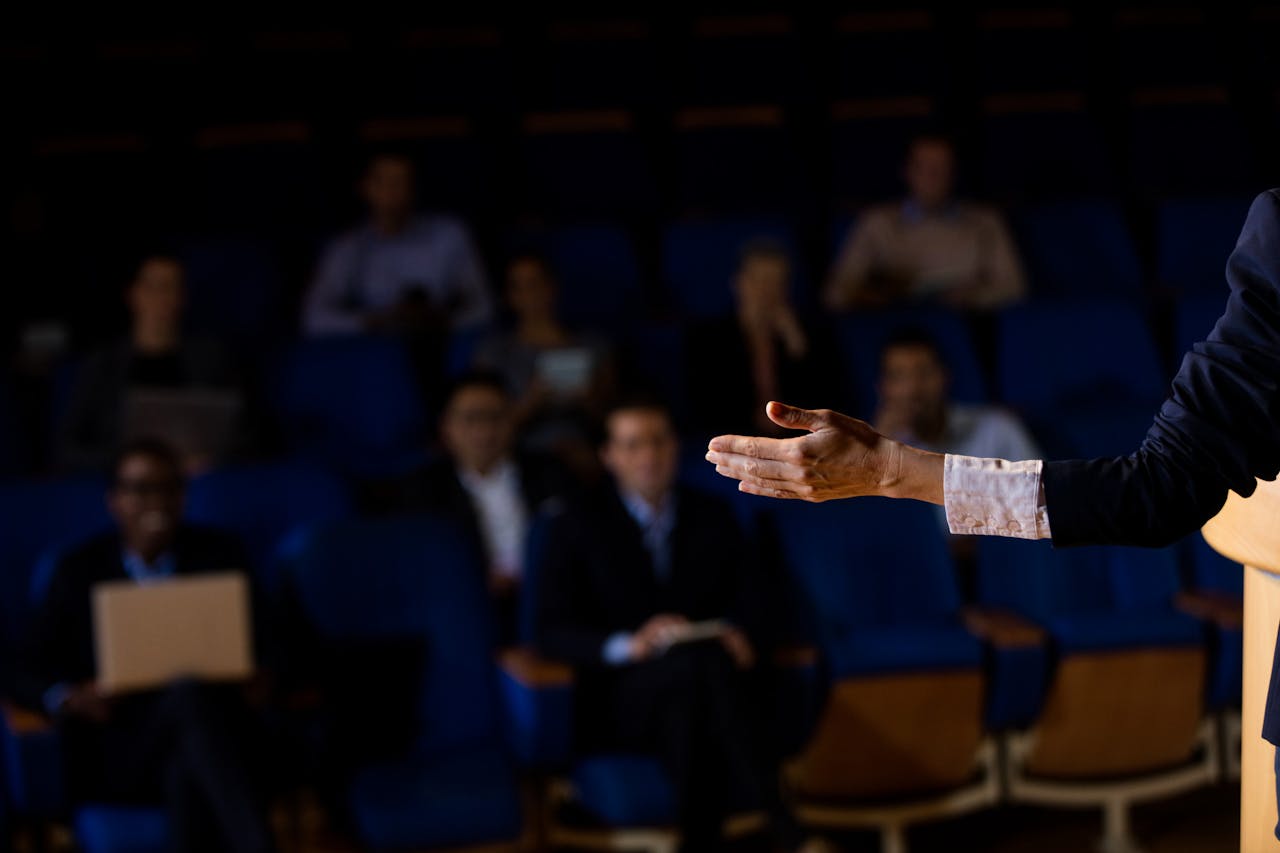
(656, 524)
(365, 270)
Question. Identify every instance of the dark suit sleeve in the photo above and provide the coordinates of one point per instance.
(1218, 430)
(564, 629)
(52, 650)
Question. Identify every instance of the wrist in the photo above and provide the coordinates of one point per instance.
(913, 473)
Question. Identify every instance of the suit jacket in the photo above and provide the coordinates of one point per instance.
(1218, 430)
(60, 647)
(597, 577)
(437, 488)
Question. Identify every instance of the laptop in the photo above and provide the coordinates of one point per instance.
(148, 635)
(199, 422)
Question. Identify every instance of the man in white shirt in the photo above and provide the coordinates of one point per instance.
(399, 272)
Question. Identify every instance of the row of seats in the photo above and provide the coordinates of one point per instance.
(753, 156)
(874, 590)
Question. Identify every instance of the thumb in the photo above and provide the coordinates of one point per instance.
(789, 417)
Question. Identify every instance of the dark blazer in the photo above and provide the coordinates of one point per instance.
(60, 644)
(597, 577)
(1217, 431)
(436, 488)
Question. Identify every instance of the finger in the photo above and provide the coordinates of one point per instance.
(789, 417)
(775, 489)
(746, 445)
(733, 465)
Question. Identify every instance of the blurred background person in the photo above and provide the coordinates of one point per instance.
(560, 378)
(401, 271)
(762, 353)
(487, 485)
(156, 356)
(930, 247)
(193, 746)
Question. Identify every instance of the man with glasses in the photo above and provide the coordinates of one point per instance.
(186, 745)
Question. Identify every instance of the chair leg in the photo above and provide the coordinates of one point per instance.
(1116, 834)
(893, 838)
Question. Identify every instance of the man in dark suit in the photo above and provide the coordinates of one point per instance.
(1218, 431)
(490, 488)
(626, 576)
(186, 744)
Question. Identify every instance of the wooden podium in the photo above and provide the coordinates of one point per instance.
(1248, 532)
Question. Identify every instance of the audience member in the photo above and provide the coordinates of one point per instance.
(648, 590)
(930, 247)
(400, 272)
(559, 378)
(765, 336)
(189, 745)
(157, 356)
(491, 488)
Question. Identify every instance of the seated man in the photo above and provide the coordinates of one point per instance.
(400, 272)
(493, 490)
(626, 575)
(930, 247)
(914, 407)
(186, 745)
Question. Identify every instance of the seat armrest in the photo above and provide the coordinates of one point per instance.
(537, 695)
(1225, 611)
(32, 754)
(1002, 628)
(533, 671)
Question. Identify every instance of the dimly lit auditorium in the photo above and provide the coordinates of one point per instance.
(840, 428)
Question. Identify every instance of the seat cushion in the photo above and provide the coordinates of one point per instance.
(436, 801)
(122, 829)
(625, 790)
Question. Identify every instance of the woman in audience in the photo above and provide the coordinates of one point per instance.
(558, 378)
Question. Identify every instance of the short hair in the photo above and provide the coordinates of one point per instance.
(632, 401)
(911, 336)
(151, 447)
(489, 379)
(932, 137)
(159, 255)
(763, 248)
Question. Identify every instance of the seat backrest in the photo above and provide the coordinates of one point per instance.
(1041, 583)
(264, 503)
(1078, 248)
(868, 562)
(598, 272)
(351, 402)
(862, 336)
(700, 259)
(417, 580)
(234, 288)
(1194, 237)
(36, 517)
(1078, 353)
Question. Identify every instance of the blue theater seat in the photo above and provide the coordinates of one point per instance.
(418, 580)
(234, 289)
(1078, 248)
(122, 829)
(598, 271)
(700, 258)
(1194, 238)
(351, 403)
(862, 335)
(264, 503)
(1084, 372)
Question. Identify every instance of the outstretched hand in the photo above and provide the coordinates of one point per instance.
(838, 457)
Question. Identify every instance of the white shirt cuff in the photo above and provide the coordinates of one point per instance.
(994, 497)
